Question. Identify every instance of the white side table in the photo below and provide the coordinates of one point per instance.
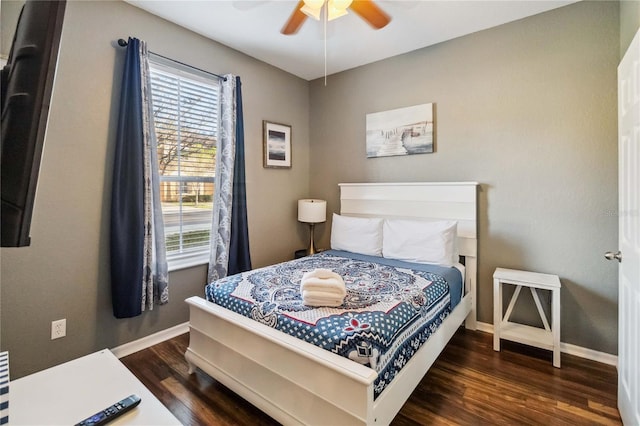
(545, 338)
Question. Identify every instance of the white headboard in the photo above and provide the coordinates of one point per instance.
(422, 200)
(417, 200)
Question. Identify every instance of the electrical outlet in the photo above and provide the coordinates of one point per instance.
(58, 328)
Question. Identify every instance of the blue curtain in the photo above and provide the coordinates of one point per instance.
(127, 209)
(239, 257)
(139, 273)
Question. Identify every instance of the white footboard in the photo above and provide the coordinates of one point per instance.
(291, 380)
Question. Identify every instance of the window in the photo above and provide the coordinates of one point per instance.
(185, 111)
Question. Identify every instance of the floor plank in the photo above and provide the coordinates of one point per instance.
(469, 384)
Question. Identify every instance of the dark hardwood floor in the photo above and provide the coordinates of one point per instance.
(469, 384)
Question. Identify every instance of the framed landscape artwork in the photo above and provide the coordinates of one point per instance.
(276, 142)
(402, 131)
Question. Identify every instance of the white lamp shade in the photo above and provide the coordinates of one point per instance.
(312, 211)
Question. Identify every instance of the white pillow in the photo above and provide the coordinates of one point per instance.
(357, 235)
(421, 241)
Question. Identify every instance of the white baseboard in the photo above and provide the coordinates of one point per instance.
(602, 357)
(568, 348)
(148, 341)
(161, 336)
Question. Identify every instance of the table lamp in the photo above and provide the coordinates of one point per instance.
(312, 211)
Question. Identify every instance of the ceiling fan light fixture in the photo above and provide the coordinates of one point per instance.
(340, 4)
(334, 13)
(311, 12)
(335, 8)
(314, 4)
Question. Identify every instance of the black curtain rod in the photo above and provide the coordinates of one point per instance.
(122, 42)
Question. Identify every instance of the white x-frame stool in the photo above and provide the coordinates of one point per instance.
(545, 338)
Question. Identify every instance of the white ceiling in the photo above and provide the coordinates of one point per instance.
(253, 27)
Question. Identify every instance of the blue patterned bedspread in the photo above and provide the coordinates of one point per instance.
(390, 310)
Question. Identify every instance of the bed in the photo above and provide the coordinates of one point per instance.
(296, 382)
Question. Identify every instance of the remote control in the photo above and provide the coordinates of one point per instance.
(110, 413)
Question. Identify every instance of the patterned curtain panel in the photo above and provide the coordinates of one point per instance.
(229, 183)
(155, 283)
(138, 261)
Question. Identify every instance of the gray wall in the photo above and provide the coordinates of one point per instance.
(629, 22)
(65, 271)
(9, 11)
(527, 109)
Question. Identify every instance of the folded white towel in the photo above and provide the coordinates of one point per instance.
(334, 286)
(318, 298)
(321, 295)
(322, 287)
(321, 273)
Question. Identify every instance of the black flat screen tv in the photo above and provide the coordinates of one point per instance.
(26, 86)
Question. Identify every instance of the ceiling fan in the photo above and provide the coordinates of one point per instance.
(366, 9)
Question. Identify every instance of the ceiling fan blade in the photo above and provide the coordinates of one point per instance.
(295, 21)
(371, 13)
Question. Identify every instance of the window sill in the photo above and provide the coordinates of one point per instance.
(187, 261)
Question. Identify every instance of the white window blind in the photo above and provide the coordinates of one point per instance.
(185, 111)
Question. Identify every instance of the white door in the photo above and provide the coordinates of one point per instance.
(629, 234)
